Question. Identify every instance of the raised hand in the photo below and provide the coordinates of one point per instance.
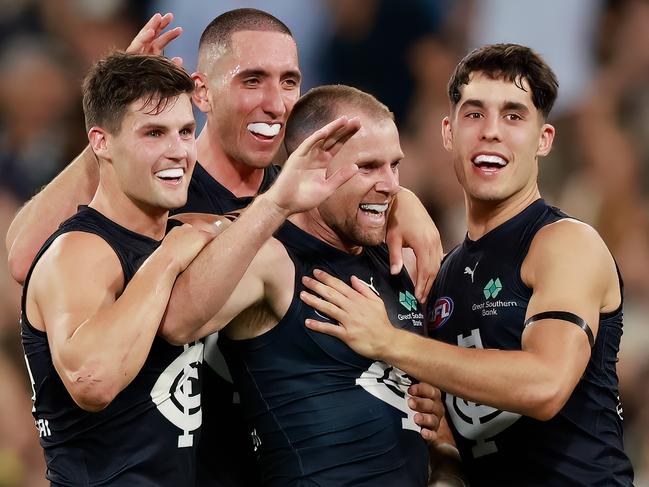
(312, 172)
(152, 39)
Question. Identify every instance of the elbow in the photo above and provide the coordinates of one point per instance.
(174, 337)
(94, 400)
(18, 265)
(90, 392)
(546, 401)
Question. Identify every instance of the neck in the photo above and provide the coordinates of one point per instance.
(114, 204)
(312, 223)
(484, 216)
(238, 178)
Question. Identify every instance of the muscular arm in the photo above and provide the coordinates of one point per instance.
(42, 215)
(100, 336)
(568, 268)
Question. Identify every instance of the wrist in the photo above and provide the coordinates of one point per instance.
(272, 204)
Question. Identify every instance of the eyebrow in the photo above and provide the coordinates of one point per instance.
(261, 73)
(507, 105)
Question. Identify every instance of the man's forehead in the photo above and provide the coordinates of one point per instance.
(243, 43)
(487, 87)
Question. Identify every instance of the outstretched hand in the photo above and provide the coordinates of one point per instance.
(363, 321)
(152, 39)
(305, 180)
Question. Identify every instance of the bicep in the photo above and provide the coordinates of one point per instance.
(67, 293)
(567, 269)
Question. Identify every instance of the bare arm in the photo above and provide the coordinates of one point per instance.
(43, 214)
(303, 184)
(99, 336)
(76, 184)
(568, 268)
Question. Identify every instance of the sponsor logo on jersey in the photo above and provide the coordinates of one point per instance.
(492, 288)
(371, 285)
(441, 312)
(408, 301)
(471, 272)
(177, 394)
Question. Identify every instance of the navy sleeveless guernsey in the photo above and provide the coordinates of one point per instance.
(320, 414)
(225, 452)
(148, 435)
(479, 300)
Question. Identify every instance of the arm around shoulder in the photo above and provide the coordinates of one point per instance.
(42, 215)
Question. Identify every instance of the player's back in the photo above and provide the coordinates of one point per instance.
(319, 413)
(148, 433)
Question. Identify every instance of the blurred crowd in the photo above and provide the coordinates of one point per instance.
(403, 52)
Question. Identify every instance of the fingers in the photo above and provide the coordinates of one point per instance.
(150, 40)
(337, 140)
(339, 177)
(363, 288)
(177, 60)
(319, 136)
(395, 251)
(325, 291)
(158, 45)
(428, 391)
(326, 328)
(424, 265)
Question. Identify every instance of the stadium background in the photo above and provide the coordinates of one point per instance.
(401, 51)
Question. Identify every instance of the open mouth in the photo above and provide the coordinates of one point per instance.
(172, 175)
(264, 131)
(489, 163)
(374, 212)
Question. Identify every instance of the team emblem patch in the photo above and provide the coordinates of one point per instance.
(441, 312)
(177, 396)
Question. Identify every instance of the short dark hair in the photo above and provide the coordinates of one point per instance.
(324, 104)
(219, 31)
(115, 82)
(510, 62)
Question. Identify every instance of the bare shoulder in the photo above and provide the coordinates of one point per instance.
(570, 256)
(79, 258)
(569, 238)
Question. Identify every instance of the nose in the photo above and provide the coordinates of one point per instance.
(491, 129)
(388, 182)
(273, 103)
(178, 148)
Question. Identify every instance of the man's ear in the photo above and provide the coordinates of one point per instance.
(447, 134)
(98, 139)
(546, 139)
(200, 95)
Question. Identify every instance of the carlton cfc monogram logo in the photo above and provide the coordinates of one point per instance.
(177, 395)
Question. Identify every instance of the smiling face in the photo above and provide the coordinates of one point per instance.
(153, 154)
(251, 87)
(357, 211)
(496, 135)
